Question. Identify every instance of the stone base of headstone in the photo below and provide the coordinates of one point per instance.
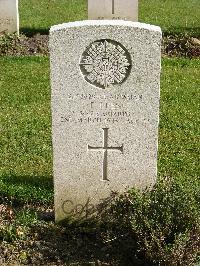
(105, 78)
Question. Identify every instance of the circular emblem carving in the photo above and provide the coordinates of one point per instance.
(105, 63)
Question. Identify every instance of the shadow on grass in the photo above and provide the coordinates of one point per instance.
(82, 243)
(179, 31)
(77, 242)
(36, 181)
(26, 189)
(130, 232)
(30, 32)
(182, 31)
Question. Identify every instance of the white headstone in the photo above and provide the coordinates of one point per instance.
(105, 78)
(9, 17)
(113, 9)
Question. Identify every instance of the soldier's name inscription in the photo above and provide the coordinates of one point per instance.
(105, 108)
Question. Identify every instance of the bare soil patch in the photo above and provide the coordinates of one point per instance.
(172, 46)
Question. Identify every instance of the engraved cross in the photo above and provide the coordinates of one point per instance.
(105, 149)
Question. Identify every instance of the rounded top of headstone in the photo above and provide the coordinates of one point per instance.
(119, 23)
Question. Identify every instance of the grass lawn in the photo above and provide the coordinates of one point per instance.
(180, 16)
(179, 148)
(26, 156)
(25, 144)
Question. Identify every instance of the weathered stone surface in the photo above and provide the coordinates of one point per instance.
(113, 9)
(105, 78)
(9, 17)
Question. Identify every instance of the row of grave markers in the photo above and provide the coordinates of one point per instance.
(104, 9)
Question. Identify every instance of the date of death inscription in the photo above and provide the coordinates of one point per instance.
(101, 110)
(98, 117)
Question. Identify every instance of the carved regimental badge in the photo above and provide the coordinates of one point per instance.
(105, 63)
